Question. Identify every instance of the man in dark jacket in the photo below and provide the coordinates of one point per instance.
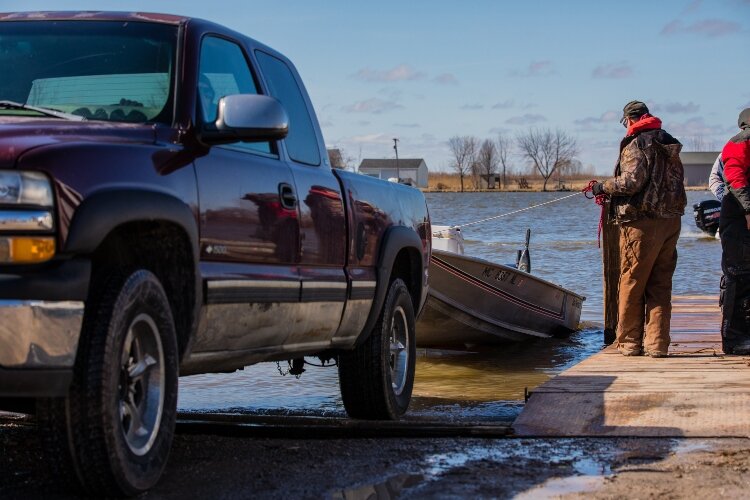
(734, 229)
(647, 198)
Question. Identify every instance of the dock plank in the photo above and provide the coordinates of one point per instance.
(696, 392)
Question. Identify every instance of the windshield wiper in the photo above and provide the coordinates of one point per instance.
(45, 111)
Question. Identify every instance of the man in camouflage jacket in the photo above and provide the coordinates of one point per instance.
(647, 196)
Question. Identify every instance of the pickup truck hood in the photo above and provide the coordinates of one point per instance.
(21, 134)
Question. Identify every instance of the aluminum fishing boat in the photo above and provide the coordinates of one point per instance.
(476, 302)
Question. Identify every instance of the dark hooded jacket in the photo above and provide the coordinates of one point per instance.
(736, 157)
(648, 182)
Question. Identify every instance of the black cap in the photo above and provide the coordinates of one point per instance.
(633, 109)
(744, 120)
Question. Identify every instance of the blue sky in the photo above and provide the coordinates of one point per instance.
(424, 71)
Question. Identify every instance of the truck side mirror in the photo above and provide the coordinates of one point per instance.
(248, 118)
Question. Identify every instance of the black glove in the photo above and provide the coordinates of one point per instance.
(598, 189)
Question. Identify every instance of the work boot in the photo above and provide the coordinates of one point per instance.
(742, 349)
(654, 354)
(629, 351)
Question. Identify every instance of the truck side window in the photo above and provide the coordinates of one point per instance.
(302, 142)
(224, 71)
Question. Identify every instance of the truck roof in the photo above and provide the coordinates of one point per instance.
(93, 15)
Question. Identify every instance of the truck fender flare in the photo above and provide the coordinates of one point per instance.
(395, 239)
(103, 211)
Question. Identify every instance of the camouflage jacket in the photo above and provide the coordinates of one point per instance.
(648, 182)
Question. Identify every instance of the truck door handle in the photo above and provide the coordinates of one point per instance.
(287, 196)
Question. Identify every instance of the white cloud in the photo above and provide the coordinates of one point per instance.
(710, 28)
(400, 73)
(536, 69)
(527, 119)
(370, 139)
(595, 122)
(507, 104)
(697, 127)
(446, 79)
(676, 107)
(374, 106)
(614, 71)
(472, 107)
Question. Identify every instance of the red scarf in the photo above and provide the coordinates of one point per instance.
(647, 122)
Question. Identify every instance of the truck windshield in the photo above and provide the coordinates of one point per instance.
(100, 70)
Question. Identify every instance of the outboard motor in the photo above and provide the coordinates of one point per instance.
(523, 261)
(706, 215)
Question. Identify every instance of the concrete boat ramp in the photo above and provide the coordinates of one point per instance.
(695, 392)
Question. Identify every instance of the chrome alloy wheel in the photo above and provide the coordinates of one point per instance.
(399, 347)
(142, 385)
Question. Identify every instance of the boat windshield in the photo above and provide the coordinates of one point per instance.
(99, 70)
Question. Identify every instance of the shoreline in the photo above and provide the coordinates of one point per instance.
(531, 190)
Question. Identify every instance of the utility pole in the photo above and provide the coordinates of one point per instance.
(398, 170)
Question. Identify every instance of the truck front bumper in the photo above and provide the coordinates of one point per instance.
(38, 344)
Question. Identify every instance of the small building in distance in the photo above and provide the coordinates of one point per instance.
(698, 166)
(414, 169)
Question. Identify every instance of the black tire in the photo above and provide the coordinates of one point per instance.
(114, 430)
(371, 388)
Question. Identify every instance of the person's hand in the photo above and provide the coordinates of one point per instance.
(598, 189)
(747, 221)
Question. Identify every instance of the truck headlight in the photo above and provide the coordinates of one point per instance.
(25, 188)
(26, 218)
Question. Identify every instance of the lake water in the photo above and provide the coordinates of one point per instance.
(488, 384)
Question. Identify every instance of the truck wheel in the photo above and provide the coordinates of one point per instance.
(377, 378)
(119, 415)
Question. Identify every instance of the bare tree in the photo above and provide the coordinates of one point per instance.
(503, 146)
(547, 150)
(463, 149)
(487, 160)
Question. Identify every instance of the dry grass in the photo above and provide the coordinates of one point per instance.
(442, 181)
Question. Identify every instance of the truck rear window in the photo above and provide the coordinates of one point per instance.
(102, 70)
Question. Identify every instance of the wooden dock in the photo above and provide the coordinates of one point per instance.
(695, 392)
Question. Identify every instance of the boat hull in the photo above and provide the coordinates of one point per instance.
(473, 301)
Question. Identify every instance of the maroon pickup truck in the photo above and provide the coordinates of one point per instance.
(167, 208)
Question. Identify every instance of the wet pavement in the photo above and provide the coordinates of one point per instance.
(217, 467)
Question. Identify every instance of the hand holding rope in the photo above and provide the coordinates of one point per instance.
(600, 199)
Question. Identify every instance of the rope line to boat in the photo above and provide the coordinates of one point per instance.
(514, 211)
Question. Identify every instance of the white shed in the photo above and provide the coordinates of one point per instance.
(414, 169)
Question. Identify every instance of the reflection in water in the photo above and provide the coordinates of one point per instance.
(490, 384)
(386, 490)
(500, 373)
(482, 385)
